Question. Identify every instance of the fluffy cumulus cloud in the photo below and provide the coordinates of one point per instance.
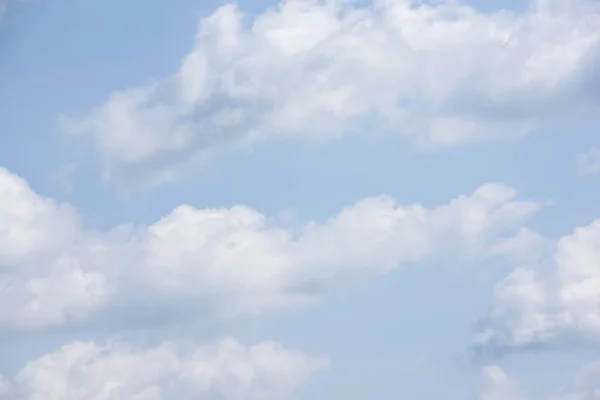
(226, 370)
(589, 162)
(555, 302)
(439, 73)
(220, 262)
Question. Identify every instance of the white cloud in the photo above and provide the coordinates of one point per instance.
(215, 263)
(224, 370)
(440, 74)
(553, 303)
(589, 162)
(525, 246)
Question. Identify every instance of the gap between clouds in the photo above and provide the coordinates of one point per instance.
(226, 370)
(441, 74)
(221, 263)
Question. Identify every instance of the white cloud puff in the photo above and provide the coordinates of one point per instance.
(219, 263)
(553, 303)
(438, 73)
(226, 370)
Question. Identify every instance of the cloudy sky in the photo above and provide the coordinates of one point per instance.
(299, 200)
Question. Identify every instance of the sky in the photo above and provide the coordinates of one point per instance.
(333, 199)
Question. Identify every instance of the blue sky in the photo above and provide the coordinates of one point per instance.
(280, 134)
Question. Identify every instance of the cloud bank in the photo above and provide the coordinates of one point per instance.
(220, 263)
(226, 370)
(440, 74)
